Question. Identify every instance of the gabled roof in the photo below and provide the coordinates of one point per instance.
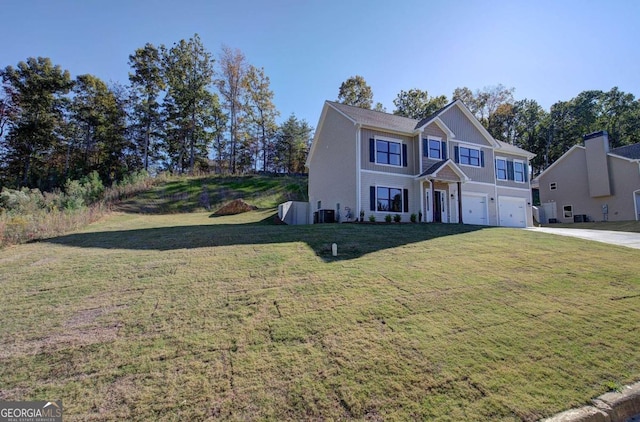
(392, 122)
(628, 151)
(376, 118)
(512, 149)
(432, 172)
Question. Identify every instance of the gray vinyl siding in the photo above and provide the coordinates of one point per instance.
(512, 183)
(332, 170)
(484, 174)
(462, 127)
(572, 188)
(412, 152)
(390, 181)
(434, 130)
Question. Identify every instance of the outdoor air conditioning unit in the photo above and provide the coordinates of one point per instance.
(324, 216)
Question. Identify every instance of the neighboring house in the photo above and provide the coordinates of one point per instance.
(592, 182)
(444, 168)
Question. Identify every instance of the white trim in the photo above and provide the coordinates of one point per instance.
(513, 188)
(438, 121)
(636, 197)
(401, 199)
(524, 171)
(563, 211)
(612, 155)
(506, 168)
(443, 211)
(477, 148)
(341, 112)
(377, 138)
(485, 134)
(456, 169)
(481, 183)
(387, 173)
(430, 138)
(359, 153)
(573, 148)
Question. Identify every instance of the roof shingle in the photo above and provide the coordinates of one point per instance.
(628, 151)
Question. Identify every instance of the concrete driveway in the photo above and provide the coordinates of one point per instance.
(628, 239)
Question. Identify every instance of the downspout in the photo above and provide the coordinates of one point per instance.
(358, 169)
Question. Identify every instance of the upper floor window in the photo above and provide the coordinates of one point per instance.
(382, 151)
(434, 149)
(518, 171)
(469, 156)
(388, 152)
(501, 169)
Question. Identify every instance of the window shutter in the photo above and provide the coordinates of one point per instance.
(405, 200)
(526, 172)
(404, 155)
(510, 173)
(444, 150)
(481, 158)
(372, 198)
(456, 154)
(372, 150)
(425, 148)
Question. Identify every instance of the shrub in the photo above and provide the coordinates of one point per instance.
(387, 218)
(397, 218)
(413, 218)
(372, 218)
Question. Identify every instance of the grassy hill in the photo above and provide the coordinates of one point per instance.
(189, 194)
(194, 317)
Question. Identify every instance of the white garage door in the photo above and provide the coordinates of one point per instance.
(474, 209)
(512, 211)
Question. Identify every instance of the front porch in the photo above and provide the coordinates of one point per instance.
(441, 193)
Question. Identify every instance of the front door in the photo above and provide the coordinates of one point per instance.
(637, 194)
(439, 207)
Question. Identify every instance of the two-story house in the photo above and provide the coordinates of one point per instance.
(444, 168)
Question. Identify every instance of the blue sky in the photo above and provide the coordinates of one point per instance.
(546, 50)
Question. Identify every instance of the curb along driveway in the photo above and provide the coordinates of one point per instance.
(628, 239)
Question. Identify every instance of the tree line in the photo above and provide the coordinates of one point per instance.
(182, 111)
(523, 123)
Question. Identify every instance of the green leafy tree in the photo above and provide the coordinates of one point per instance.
(355, 92)
(417, 104)
(232, 72)
(147, 81)
(36, 89)
(99, 113)
(189, 104)
(261, 115)
(294, 139)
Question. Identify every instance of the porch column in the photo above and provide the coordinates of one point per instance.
(460, 203)
(433, 200)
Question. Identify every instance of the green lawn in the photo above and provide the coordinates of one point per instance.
(191, 317)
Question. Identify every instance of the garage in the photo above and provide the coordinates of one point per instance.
(474, 209)
(512, 211)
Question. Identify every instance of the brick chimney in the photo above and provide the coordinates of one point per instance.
(597, 147)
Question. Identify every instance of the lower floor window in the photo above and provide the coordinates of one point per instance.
(568, 211)
(389, 199)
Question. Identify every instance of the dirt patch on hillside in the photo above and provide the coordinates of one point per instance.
(237, 206)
